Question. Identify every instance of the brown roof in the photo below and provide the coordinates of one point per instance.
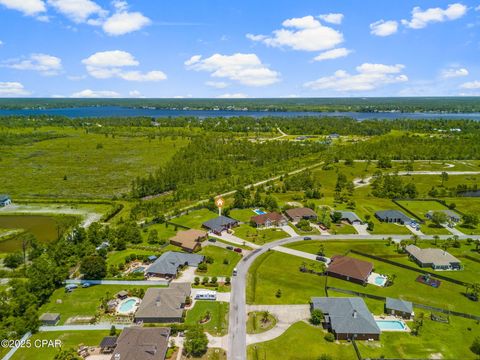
(137, 343)
(351, 267)
(300, 212)
(262, 219)
(188, 239)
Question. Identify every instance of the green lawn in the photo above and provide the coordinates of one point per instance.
(301, 341)
(218, 324)
(242, 215)
(165, 232)
(218, 268)
(257, 324)
(259, 236)
(273, 271)
(342, 229)
(195, 218)
(118, 257)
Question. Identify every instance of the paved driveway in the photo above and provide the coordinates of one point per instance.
(361, 229)
(289, 230)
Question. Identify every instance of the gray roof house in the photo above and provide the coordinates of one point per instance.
(139, 343)
(347, 317)
(451, 215)
(219, 224)
(50, 319)
(399, 307)
(168, 263)
(437, 259)
(163, 305)
(393, 216)
(351, 217)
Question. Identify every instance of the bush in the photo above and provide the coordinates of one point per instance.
(476, 346)
(202, 267)
(226, 261)
(227, 280)
(329, 337)
(325, 357)
(13, 260)
(196, 280)
(209, 260)
(316, 317)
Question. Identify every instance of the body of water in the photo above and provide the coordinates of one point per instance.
(118, 111)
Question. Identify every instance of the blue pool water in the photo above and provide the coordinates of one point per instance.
(380, 280)
(259, 212)
(138, 269)
(127, 305)
(386, 325)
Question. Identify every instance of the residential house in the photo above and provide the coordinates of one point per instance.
(163, 305)
(268, 220)
(399, 307)
(5, 200)
(50, 319)
(350, 269)
(297, 214)
(220, 224)
(169, 262)
(351, 218)
(189, 240)
(139, 343)
(437, 259)
(394, 216)
(347, 318)
(451, 215)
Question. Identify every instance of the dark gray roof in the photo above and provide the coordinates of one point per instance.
(350, 216)
(169, 262)
(108, 341)
(347, 315)
(137, 343)
(449, 213)
(166, 303)
(392, 214)
(399, 305)
(49, 317)
(219, 223)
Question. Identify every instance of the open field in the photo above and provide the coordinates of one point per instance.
(259, 236)
(219, 268)
(69, 339)
(242, 215)
(218, 323)
(195, 219)
(82, 165)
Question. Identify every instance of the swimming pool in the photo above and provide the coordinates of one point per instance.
(139, 269)
(391, 325)
(127, 306)
(380, 280)
(259, 212)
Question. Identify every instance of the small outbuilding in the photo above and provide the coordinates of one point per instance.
(108, 344)
(399, 307)
(50, 319)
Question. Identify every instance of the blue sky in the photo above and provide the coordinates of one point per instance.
(302, 48)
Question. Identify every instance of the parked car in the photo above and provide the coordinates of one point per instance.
(86, 285)
(212, 240)
(307, 238)
(229, 247)
(238, 250)
(321, 258)
(70, 287)
(323, 227)
(234, 271)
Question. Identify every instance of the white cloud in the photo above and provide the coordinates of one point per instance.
(125, 22)
(421, 18)
(217, 84)
(233, 96)
(332, 18)
(87, 93)
(368, 77)
(79, 11)
(454, 72)
(43, 63)
(108, 64)
(12, 89)
(247, 69)
(471, 85)
(27, 7)
(135, 94)
(384, 28)
(306, 33)
(332, 54)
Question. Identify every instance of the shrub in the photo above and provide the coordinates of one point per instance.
(202, 267)
(329, 337)
(196, 280)
(316, 317)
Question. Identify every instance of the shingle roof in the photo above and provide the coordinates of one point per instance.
(350, 216)
(169, 262)
(351, 267)
(399, 305)
(347, 315)
(219, 223)
(449, 213)
(263, 218)
(300, 212)
(431, 255)
(392, 214)
(49, 317)
(108, 341)
(188, 238)
(136, 343)
(164, 302)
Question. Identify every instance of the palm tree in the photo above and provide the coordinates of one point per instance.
(414, 239)
(435, 239)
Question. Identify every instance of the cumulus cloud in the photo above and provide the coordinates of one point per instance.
(421, 18)
(233, 96)
(384, 28)
(12, 89)
(217, 84)
(471, 85)
(368, 77)
(332, 54)
(79, 11)
(124, 21)
(306, 33)
(135, 94)
(332, 18)
(454, 73)
(247, 69)
(87, 93)
(27, 7)
(108, 64)
(45, 64)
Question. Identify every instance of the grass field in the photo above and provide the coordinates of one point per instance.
(95, 166)
(218, 268)
(242, 215)
(259, 236)
(69, 339)
(218, 323)
(195, 219)
(256, 323)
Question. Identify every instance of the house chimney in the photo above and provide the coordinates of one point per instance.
(354, 314)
